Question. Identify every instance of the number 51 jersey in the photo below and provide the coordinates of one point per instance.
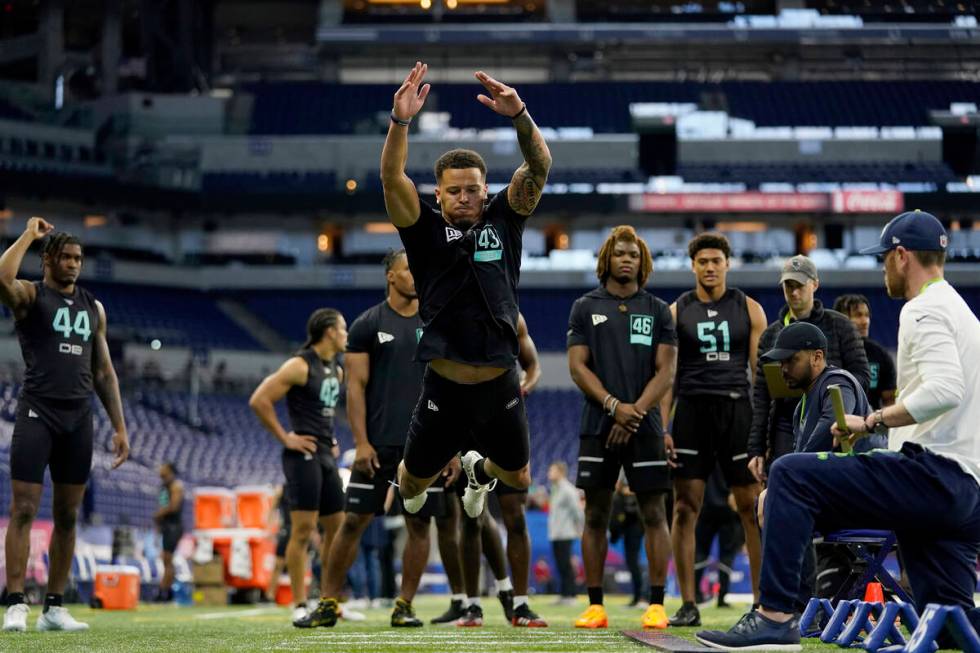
(57, 338)
(713, 338)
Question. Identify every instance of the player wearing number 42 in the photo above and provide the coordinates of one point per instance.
(62, 333)
(310, 382)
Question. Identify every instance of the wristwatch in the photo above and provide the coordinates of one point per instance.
(878, 425)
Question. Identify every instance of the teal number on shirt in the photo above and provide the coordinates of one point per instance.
(329, 392)
(709, 341)
(63, 324)
(641, 330)
(488, 247)
(874, 375)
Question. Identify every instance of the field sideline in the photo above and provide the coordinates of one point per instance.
(192, 630)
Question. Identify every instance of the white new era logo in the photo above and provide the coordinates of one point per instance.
(31, 413)
(385, 337)
(453, 234)
(598, 319)
(432, 406)
(712, 313)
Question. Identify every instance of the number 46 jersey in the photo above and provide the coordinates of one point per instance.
(713, 340)
(57, 340)
(622, 335)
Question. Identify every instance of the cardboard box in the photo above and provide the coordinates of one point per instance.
(211, 596)
(209, 574)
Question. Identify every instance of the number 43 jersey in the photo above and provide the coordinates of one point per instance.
(622, 336)
(57, 341)
(713, 345)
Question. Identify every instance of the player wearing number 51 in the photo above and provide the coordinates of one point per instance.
(622, 350)
(718, 331)
(62, 333)
(310, 382)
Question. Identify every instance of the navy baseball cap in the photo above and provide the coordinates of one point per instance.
(913, 230)
(798, 336)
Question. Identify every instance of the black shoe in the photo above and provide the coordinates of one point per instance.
(403, 616)
(525, 617)
(472, 617)
(722, 603)
(450, 616)
(325, 614)
(686, 616)
(507, 603)
(753, 631)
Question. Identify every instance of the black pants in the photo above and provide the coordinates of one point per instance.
(632, 541)
(562, 550)
(723, 522)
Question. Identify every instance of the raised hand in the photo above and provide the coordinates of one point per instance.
(410, 97)
(503, 99)
(38, 227)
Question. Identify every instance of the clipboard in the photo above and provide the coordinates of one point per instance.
(777, 385)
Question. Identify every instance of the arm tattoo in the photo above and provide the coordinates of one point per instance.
(528, 182)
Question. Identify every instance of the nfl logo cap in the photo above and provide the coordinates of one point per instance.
(798, 268)
(913, 230)
(798, 336)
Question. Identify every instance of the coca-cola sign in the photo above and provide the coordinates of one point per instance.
(868, 201)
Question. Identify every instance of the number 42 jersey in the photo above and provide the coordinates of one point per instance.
(57, 338)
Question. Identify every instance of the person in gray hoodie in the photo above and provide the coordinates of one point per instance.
(565, 521)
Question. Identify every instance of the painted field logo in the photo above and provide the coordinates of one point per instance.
(641, 330)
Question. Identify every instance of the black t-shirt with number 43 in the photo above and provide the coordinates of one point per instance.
(622, 335)
(467, 284)
(57, 340)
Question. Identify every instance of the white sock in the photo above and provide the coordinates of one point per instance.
(504, 585)
(459, 597)
(471, 600)
(519, 601)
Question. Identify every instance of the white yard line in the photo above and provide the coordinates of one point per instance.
(232, 614)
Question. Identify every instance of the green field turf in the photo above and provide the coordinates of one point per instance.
(193, 630)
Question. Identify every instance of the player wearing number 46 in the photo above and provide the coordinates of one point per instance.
(310, 382)
(718, 331)
(622, 350)
(62, 333)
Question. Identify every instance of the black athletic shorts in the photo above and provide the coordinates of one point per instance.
(447, 414)
(708, 429)
(366, 496)
(171, 532)
(643, 458)
(52, 433)
(312, 482)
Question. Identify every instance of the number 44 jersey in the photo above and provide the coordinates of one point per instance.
(713, 345)
(57, 340)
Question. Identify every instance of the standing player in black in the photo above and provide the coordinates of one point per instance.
(718, 331)
(513, 595)
(310, 382)
(382, 388)
(881, 389)
(168, 519)
(622, 350)
(62, 333)
(465, 258)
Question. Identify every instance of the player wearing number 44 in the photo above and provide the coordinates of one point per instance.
(62, 333)
(310, 382)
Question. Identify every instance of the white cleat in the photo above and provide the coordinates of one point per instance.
(352, 615)
(15, 619)
(57, 618)
(299, 612)
(475, 495)
(414, 504)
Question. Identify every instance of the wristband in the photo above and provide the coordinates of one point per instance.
(612, 407)
(518, 114)
(399, 121)
(606, 401)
